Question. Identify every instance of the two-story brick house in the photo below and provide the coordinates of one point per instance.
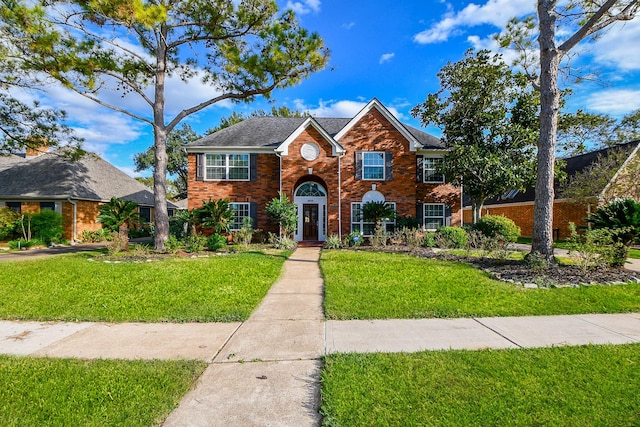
(329, 167)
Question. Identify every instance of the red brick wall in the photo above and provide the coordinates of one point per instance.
(260, 192)
(522, 214)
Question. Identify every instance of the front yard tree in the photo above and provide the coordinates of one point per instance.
(241, 49)
(487, 114)
(561, 27)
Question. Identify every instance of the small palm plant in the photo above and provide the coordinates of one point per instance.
(119, 215)
(216, 214)
(377, 212)
(622, 217)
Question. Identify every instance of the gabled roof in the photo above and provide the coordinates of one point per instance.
(52, 176)
(272, 133)
(574, 165)
(310, 121)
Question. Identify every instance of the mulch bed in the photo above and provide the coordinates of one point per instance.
(520, 273)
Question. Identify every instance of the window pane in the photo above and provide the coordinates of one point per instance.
(372, 165)
(239, 160)
(430, 164)
(215, 173)
(433, 223)
(241, 212)
(47, 206)
(434, 210)
(215, 160)
(239, 173)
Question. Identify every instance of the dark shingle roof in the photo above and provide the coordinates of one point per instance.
(269, 132)
(574, 165)
(51, 175)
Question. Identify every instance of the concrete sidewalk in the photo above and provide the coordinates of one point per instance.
(266, 370)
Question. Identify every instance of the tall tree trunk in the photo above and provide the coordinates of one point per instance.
(160, 144)
(542, 239)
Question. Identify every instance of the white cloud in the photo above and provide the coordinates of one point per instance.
(304, 7)
(340, 109)
(494, 12)
(386, 57)
(349, 25)
(615, 101)
(619, 46)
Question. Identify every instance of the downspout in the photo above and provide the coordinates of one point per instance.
(280, 185)
(461, 206)
(340, 196)
(74, 227)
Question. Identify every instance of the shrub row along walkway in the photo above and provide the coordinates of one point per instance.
(266, 370)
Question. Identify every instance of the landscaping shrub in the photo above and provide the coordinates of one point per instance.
(281, 242)
(46, 226)
(173, 244)
(333, 242)
(195, 243)
(411, 237)
(96, 236)
(497, 225)
(23, 244)
(408, 222)
(353, 239)
(429, 240)
(8, 223)
(451, 237)
(216, 242)
(622, 217)
(245, 234)
(596, 248)
(379, 237)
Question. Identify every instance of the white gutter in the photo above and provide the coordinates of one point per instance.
(75, 219)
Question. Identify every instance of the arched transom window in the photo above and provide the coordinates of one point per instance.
(310, 189)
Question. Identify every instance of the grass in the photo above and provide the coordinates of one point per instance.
(70, 288)
(68, 392)
(558, 386)
(370, 285)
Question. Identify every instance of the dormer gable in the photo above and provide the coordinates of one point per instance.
(336, 148)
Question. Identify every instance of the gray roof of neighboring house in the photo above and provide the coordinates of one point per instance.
(51, 175)
(269, 132)
(574, 165)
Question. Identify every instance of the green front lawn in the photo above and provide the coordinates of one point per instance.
(67, 392)
(72, 288)
(559, 386)
(373, 285)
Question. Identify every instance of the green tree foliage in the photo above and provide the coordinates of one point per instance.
(216, 214)
(242, 49)
(8, 223)
(46, 226)
(120, 215)
(582, 130)
(622, 217)
(284, 212)
(557, 28)
(487, 114)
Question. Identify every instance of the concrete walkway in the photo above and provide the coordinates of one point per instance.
(265, 371)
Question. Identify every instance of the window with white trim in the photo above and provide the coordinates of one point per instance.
(373, 165)
(429, 167)
(434, 215)
(241, 211)
(367, 228)
(227, 167)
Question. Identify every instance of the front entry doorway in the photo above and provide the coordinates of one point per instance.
(311, 200)
(310, 221)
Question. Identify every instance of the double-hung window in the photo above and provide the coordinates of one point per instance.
(373, 165)
(430, 165)
(241, 211)
(367, 228)
(229, 167)
(434, 215)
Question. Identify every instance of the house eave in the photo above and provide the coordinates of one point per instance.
(336, 148)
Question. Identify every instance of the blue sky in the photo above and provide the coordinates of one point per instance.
(388, 50)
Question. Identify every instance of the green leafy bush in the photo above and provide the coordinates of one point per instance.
(379, 238)
(622, 217)
(333, 242)
(429, 240)
(498, 226)
(245, 234)
(173, 244)
(96, 236)
(407, 222)
(46, 226)
(411, 237)
(195, 243)
(596, 248)
(284, 212)
(283, 242)
(8, 223)
(23, 244)
(215, 242)
(451, 237)
(353, 239)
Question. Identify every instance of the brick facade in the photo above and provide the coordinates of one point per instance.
(335, 172)
(564, 212)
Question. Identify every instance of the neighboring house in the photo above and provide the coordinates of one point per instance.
(329, 167)
(75, 189)
(621, 179)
